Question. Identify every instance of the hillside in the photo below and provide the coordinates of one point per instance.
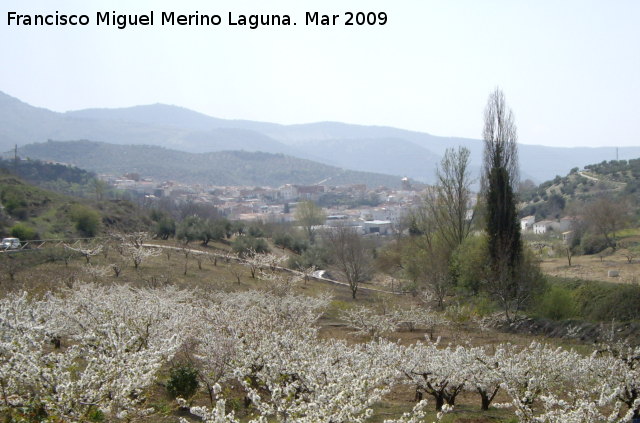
(56, 177)
(218, 168)
(365, 148)
(43, 214)
(550, 198)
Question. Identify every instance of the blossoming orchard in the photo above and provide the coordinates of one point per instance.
(96, 351)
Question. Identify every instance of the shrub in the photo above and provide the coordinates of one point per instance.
(593, 244)
(87, 220)
(255, 232)
(557, 303)
(14, 202)
(315, 255)
(23, 231)
(468, 263)
(293, 243)
(183, 382)
(604, 302)
(96, 415)
(246, 244)
(165, 227)
(190, 229)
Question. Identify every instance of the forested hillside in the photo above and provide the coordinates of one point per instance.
(30, 212)
(220, 168)
(618, 179)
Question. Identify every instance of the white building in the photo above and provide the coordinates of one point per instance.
(382, 227)
(526, 223)
(542, 227)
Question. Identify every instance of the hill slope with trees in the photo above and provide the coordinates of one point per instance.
(30, 212)
(219, 168)
(549, 200)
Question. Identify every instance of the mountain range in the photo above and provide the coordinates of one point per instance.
(362, 148)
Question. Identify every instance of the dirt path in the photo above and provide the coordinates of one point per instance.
(318, 274)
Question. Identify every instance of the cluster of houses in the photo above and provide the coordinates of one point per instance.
(563, 226)
(278, 204)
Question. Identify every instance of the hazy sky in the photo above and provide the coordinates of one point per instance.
(570, 70)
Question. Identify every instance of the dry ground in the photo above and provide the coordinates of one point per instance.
(595, 267)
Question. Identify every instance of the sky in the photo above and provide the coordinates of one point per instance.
(570, 70)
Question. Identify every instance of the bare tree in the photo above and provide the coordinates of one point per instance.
(450, 201)
(307, 273)
(199, 258)
(116, 268)
(10, 264)
(500, 139)
(605, 216)
(99, 186)
(437, 275)
(308, 215)
(187, 252)
(350, 255)
(235, 270)
(569, 253)
(426, 263)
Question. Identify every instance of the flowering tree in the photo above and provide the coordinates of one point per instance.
(95, 350)
(115, 348)
(528, 373)
(439, 372)
(261, 261)
(367, 322)
(87, 252)
(414, 317)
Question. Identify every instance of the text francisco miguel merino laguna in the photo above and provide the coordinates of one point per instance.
(253, 21)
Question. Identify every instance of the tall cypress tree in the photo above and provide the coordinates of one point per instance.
(506, 282)
(505, 248)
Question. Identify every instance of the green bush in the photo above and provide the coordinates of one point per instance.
(599, 301)
(164, 227)
(593, 244)
(23, 231)
(87, 220)
(245, 244)
(557, 303)
(183, 382)
(315, 255)
(96, 415)
(255, 232)
(190, 229)
(469, 262)
(291, 242)
(14, 202)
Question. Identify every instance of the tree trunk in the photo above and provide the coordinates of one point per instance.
(486, 398)
(485, 401)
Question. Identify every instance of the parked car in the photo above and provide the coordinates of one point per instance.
(10, 243)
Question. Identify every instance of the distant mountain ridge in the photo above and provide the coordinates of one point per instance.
(218, 168)
(365, 148)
